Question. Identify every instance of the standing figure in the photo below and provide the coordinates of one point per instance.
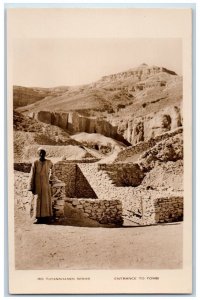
(40, 185)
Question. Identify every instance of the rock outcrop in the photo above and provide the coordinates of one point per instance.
(132, 153)
(144, 128)
(140, 73)
(74, 122)
(53, 118)
(168, 150)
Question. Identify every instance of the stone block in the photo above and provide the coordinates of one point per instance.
(75, 202)
(60, 202)
(79, 206)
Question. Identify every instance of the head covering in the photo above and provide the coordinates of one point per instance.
(41, 148)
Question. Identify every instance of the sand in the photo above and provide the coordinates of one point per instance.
(41, 246)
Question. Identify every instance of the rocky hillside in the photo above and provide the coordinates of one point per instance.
(24, 96)
(29, 134)
(131, 106)
(136, 108)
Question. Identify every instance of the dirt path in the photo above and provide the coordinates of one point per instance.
(69, 247)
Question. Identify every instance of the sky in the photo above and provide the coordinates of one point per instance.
(54, 47)
(56, 62)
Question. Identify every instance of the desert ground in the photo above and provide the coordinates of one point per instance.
(41, 246)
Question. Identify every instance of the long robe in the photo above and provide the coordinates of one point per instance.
(39, 185)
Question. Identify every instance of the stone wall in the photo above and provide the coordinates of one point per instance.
(76, 185)
(102, 211)
(82, 186)
(151, 209)
(58, 197)
(162, 209)
(132, 210)
(128, 174)
(143, 146)
(79, 161)
(22, 196)
(66, 173)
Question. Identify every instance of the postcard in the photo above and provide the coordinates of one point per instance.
(100, 150)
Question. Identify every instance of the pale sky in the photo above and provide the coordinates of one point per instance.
(53, 47)
(54, 62)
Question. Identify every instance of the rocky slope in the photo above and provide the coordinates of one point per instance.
(29, 134)
(130, 106)
(98, 142)
(25, 96)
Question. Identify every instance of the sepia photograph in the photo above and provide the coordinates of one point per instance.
(98, 153)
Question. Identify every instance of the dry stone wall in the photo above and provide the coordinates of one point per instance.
(67, 173)
(76, 185)
(151, 209)
(102, 211)
(22, 196)
(162, 210)
(82, 186)
(58, 197)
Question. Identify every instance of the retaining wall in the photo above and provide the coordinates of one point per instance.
(102, 211)
(76, 185)
(162, 210)
(58, 197)
(22, 196)
(151, 209)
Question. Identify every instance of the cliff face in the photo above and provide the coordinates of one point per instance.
(143, 128)
(140, 73)
(129, 132)
(53, 118)
(74, 122)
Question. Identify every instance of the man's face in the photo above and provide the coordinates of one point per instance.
(42, 154)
